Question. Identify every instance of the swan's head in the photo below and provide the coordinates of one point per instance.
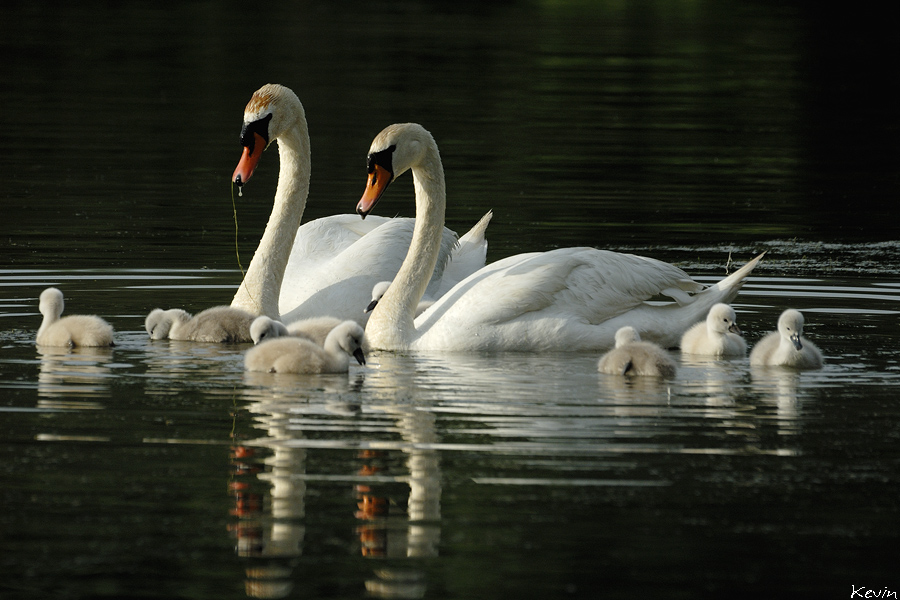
(626, 335)
(722, 319)
(159, 322)
(377, 293)
(394, 151)
(790, 326)
(52, 303)
(263, 328)
(272, 110)
(349, 336)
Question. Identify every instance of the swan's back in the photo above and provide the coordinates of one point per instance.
(315, 329)
(71, 331)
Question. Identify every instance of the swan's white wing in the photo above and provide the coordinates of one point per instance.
(334, 276)
(469, 256)
(528, 296)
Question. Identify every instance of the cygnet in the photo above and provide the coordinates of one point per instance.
(718, 336)
(71, 331)
(787, 347)
(216, 324)
(299, 355)
(378, 293)
(631, 356)
(315, 329)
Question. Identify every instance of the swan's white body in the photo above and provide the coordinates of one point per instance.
(566, 299)
(327, 266)
(631, 356)
(315, 329)
(787, 347)
(71, 331)
(217, 324)
(718, 335)
(299, 355)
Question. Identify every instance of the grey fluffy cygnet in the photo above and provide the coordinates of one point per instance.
(73, 330)
(719, 335)
(787, 347)
(216, 324)
(292, 354)
(315, 329)
(631, 356)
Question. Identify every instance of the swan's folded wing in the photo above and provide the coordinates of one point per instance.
(586, 284)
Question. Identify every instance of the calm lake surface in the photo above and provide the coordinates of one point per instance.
(690, 132)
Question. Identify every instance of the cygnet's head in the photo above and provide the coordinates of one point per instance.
(722, 319)
(159, 322)
(52, 303)
(626, 335)
(790, 326)
(377, 294)
(263, 328)
(349, 337)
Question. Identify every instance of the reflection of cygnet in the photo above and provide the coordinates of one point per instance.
(299, 355)
(787, 347)
(719, 335)
(378, 292)
(74, 330)
(216, 324)
(315, 329)
(631, 356)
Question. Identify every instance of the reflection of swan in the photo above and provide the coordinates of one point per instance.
(74, 330)
(70, 374)
(315, 329)
(328, 266)
(718, 335)
(787, 347)
(566, 299)
(631, 356)
(216, 324)
(300, 355)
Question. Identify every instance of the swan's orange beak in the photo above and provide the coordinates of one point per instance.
(249, 160)
(378, 181)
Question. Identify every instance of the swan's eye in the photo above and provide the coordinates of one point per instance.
(260, 127)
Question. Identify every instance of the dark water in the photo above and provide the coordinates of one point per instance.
(686, 131)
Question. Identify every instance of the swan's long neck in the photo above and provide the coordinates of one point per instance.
(261, 287)
(391, 325)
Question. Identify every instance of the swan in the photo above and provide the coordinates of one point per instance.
(565, 299)
(300, 355)
(315, 329)
(216, 324)
(382, 286)
(787, 347)
(718, 335)
(631, 356)
(328, 266)
(73, 330)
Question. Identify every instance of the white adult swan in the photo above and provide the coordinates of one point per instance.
(631, 356)
(70, 331)
(328, 266)
(566, 299)
(300, 355)
(718, 335)
(787, 347)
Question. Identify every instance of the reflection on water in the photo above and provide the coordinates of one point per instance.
(67, 374)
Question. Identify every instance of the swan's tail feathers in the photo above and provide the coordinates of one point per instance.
(476, 235)
(733, 283)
